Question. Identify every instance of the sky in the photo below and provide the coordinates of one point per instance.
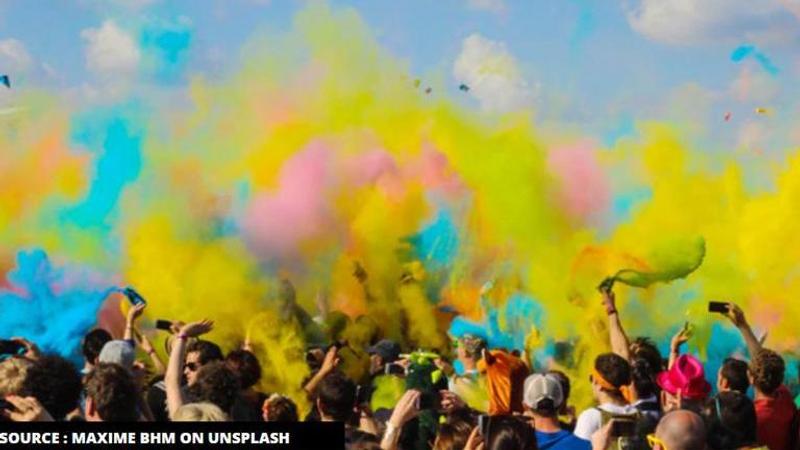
(592, 65)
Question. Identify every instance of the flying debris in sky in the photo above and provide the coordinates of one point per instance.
(464, 87)
(428, 90)
(416, 83)
(727, 116)
(6, 81)
(762, 111)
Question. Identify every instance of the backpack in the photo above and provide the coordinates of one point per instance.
(641, 425)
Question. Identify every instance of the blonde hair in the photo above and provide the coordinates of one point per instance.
(199, 412)
(12, 374)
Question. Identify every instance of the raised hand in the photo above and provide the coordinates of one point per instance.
(736, 315)
(331, 360)
(406, 408)
(195, 329)
(135, 312)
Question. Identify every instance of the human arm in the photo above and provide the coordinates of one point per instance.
(133, 313)
(405, 410)
(145, 344)
(330, 362)
(172, 379)
(619, 340)
(678, 339)
(736, 316)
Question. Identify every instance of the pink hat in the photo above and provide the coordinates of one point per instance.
(686, 378)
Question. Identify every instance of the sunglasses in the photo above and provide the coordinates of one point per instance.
(652, 441)
(192, 366)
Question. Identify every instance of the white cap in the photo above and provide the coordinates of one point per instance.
(540, 387)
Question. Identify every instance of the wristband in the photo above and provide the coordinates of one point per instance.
(183, 337)
(611, 312)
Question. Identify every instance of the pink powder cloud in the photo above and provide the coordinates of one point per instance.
(584, 188)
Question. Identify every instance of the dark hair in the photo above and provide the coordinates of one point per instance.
(113, 393)
(734, 371)
(510, 433)
(731, 420)
(93, 342)
(644, 378)
(644, 348)
(452, 435)
(208, 351)
(614, 369)
(337, 396)
(55, 382)
(217, 384)
(767, 368)
(244, 364)
(563, 380)
(281, 409)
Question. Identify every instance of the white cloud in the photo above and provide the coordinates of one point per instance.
(495, 6)
(110, 51)
(686, 22)
(14, 58)
(492, 75)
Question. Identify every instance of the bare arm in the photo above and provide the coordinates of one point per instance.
(330, 362)
(172, 379)
(133, 314)
(736, 315)
(679, 339)
(619, 340)
(144, 342)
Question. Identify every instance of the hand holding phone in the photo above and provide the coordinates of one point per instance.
(11, 347)
(622, 428)
(134, 297)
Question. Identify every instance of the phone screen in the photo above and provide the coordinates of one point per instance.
(483, 426)
(718, 307)
(165, 325)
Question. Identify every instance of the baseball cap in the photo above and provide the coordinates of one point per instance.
(539, 389)
(386, 349)
(118, 352)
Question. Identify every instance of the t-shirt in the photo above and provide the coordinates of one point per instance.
(561, 440)
(775, 417)
(505, 378)
(592, 419)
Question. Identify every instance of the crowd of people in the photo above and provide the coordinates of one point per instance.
(642, 400)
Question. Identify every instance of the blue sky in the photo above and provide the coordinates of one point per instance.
(594, 64)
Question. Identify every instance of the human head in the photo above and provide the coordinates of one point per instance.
(732, 376)
(55, 382)
(510, 433)
(217, 384)
(199, 412)
(611, 373)
(119, 352)
(278, 408)
(644, 378)
(244, 364)
(644, 348)
(543, 395)
(198, 354)
(110, 394)
(452, 435)
(336, 397)
(766, 371)
(12, 374)
(93, 342)
(731, 420)
(684, 385)
(563, 380)
(382, 353)
(470, 347)
(681, 430)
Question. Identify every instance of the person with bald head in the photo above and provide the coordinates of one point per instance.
(679, 430)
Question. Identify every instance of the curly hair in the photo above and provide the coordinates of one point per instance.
(644, 348)
(216, 384)
(12, 374)
(208, 351)
(767, 369)
(113, 393)
(55, 382)
(280, 409)
(93, 343)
